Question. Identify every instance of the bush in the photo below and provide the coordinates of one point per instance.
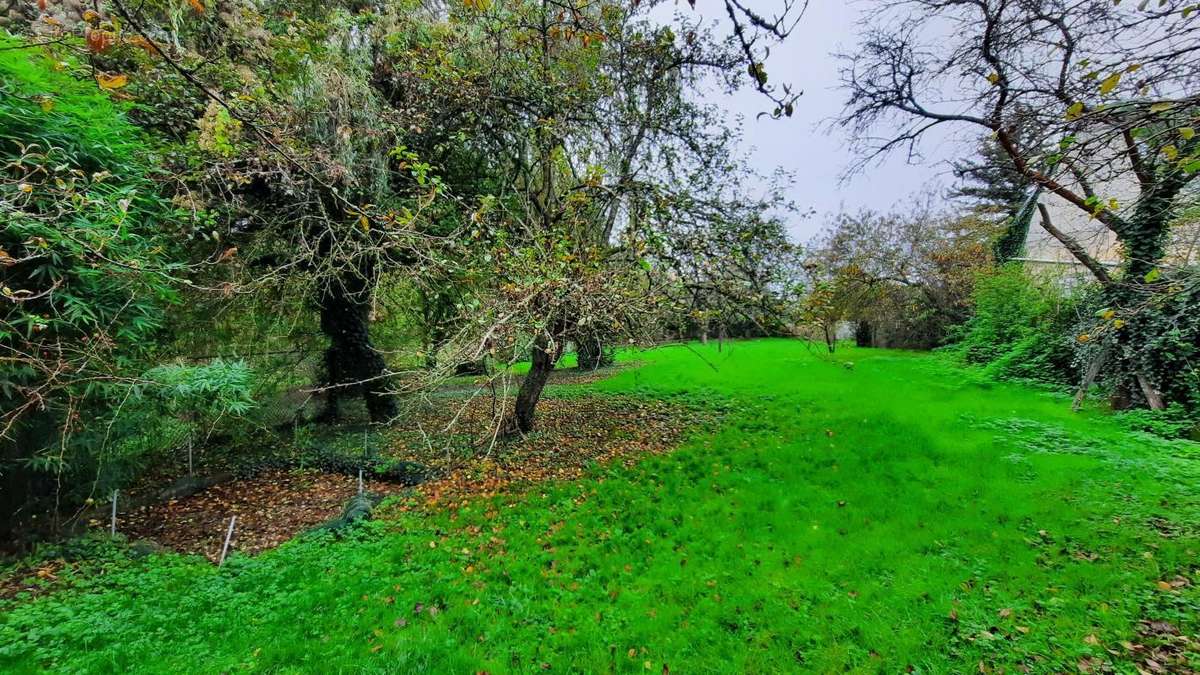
(1152, 332)
(1174, 421)
(86, 256)
(1022, 328)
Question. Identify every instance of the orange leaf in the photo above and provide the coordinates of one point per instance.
(139, 41)
(197, 5)
(98, 40)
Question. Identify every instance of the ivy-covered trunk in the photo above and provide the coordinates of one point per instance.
(1144, 365)
(352, 364)
(1144, 234)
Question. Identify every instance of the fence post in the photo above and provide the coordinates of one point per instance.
(112, 527)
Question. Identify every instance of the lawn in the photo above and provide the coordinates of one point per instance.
(874, 511)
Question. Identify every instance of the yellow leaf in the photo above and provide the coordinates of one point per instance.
(107, 81)
(994, 78)
(1171, 152)
(1110, 83)
(1075, 110)
(1186, 133)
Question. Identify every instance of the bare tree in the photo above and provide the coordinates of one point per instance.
(1108, 89)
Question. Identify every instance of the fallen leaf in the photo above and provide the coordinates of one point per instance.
(109, 82)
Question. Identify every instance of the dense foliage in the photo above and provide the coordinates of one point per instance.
(903, 279)
(1022, 328)
(86, 247)
(341, 202)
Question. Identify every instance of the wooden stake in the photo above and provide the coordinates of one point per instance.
(112, 528)
(1092, 372)
(228, 537)
(360, 484)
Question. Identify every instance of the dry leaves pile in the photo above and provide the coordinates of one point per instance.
(271, 508)
(1162, 649)
(275, 505)
(572, 433)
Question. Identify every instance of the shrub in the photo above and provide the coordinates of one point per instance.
(1151, 331)
(1022, 328)
(85, 256)
(1174, 421)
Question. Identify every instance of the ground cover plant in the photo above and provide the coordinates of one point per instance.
(874, 511)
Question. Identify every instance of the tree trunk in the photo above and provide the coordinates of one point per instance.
(520, 422)
(1153, 396)
(1144, 236)
(591, 353)
(864, 336)
(352, 364)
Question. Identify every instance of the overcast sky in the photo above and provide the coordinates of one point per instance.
(802, 144)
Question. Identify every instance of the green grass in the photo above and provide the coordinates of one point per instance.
(897, 513)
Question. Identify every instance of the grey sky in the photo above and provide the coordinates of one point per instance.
(802, 144)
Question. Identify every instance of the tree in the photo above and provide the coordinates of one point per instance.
(905, 278)
(996, 189)
(583, 113)
(1108, 93)
(303, 163)
(729, 255)
(990, 182)
(1107, 88)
